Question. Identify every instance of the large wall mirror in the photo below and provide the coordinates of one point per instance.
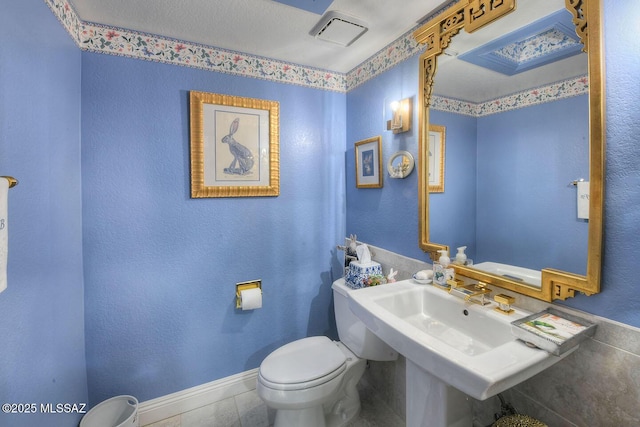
(519, 87)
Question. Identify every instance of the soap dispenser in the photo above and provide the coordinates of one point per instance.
(444, 259)
(461, 257)
(440, 271)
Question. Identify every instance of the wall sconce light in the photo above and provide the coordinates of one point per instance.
(401, 120)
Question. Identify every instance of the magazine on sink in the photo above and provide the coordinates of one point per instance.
(553, 327)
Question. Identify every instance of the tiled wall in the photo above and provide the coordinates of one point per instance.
(597, 385)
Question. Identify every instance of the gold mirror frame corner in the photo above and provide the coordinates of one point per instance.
(472, 15)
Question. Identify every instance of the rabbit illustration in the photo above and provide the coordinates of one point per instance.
(367, 165)
(242, 157)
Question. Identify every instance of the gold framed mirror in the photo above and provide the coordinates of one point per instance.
(467, 16)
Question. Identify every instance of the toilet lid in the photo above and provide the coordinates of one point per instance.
(303, 363)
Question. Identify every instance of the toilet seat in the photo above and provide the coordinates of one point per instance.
(302, 364)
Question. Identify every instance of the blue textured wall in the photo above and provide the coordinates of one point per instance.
(161, 268)
(620, 299)
(42, 356)
(452, 214)
(512, 185)
(385, 217)
(526, 160)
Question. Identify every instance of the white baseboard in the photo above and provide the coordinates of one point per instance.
(157, 409)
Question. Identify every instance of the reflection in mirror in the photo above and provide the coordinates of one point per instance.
(501, 83)
(436, 149)
(514, 96)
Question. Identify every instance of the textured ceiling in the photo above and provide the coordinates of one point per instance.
(263, 27)
(477, 84)
(277, 30)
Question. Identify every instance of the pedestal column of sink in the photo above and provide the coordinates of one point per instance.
(433, 403)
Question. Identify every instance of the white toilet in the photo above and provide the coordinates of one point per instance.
(312, 382)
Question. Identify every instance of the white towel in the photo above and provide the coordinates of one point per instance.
(4, 225)
(583, 199)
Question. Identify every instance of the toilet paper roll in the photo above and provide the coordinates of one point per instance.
(250, 299)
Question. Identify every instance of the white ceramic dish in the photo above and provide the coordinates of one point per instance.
(422, 281)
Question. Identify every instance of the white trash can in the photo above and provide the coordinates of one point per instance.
(119, 411)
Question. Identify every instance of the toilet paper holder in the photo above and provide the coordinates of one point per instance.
(243, 286)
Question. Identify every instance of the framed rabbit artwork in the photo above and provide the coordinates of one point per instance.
(235, 150)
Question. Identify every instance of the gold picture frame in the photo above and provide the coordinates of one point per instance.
(436, 158)
(235, 146)
(368, 154)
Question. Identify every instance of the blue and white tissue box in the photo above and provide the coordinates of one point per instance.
(359, 272)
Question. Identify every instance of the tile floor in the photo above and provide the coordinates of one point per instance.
(247, 410)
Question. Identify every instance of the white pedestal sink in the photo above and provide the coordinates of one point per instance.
(453, 348)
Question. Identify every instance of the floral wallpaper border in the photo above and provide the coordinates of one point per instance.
(102, 39)
(67, 16)
(553, 92)
(117, 41)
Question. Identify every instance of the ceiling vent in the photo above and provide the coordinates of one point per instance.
(338, 28)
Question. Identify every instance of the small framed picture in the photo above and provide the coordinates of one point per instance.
(369, 163)
(436, 158)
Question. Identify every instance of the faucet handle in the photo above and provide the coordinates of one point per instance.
(504, 303)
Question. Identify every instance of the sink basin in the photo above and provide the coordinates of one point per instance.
(464, 345)
(526, 275)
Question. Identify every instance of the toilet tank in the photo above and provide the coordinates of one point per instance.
(352, 332)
